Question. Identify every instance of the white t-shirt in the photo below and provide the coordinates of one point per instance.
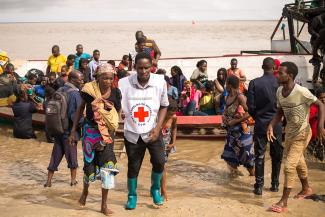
(141, 105)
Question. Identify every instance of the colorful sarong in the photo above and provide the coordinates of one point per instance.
(238, 149)
(95, 160)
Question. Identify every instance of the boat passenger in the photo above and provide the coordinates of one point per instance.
(200, 75)
(234, 70)
(207, 100)
(124, 64)
(140, 48)
(149, 43)
(23, 110)
(84, 69)
(238, 149)
(190, 98)
(32, 79)
(171, 90)
(220, 90)
(79, 55)
(161, 72)
(70, 63)
(169, 131)
(94, 63)
(55, 61)
(177, 78)
(40, 89)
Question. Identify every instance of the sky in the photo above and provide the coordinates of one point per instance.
(139, 10)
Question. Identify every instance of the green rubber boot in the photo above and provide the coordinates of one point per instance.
(155, 188)
(132, 195)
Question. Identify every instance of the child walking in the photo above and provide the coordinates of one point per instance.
(169, 129)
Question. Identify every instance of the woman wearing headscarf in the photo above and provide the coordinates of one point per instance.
(102, 103)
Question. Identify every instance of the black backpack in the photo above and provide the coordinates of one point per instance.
(56, 112)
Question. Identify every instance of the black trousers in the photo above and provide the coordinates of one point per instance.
(276, 153)
(136, 152)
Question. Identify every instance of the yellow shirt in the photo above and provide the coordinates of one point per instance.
(56, 63)
(3, 60)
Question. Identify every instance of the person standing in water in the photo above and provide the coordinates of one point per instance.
(144, 103)
(294, 104)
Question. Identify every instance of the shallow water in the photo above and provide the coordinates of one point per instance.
(198, 184)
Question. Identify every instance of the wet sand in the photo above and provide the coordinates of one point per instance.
(198, 185)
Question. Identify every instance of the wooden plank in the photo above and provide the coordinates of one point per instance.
(199, 120)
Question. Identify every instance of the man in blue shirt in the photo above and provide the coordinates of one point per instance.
(262, 106)
(61, 145)
(80, 54)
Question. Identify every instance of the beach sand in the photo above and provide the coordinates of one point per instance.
(198, 185)
(26, 41)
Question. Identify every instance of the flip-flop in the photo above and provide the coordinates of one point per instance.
(301, 196)
(278, 209)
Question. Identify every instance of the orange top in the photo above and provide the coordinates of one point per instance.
(239, 74)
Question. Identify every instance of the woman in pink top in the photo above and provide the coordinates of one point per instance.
(190, 98)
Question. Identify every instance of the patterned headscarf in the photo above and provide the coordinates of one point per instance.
(104, 68)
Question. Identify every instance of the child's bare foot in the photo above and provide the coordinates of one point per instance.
(83, 198)
(106, 211)
(164, 195)
(304, 193)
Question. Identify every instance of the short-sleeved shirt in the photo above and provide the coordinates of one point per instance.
(77, 59)
(56, 63)
(141, 105)
(93, 66)
(296, 108)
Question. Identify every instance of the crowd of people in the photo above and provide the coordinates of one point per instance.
(83, 97)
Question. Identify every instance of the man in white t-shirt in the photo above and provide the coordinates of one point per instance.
(144, 103)
(94, 64)
(293, 103)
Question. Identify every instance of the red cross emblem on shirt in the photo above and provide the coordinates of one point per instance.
(141, 114)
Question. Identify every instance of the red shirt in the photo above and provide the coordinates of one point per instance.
(313, 121)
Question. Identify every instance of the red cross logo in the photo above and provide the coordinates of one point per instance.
(141, 114)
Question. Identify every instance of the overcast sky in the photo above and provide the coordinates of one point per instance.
(138, 10)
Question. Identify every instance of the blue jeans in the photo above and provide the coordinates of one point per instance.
(191, 110)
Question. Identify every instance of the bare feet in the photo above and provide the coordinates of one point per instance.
(83, 198)
(278, 208)
(47, 184)
(304, 193)
(106, 211)
(164, 195)
(73, 183)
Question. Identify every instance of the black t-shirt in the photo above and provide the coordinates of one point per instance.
(115, 98)
(23, 112)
